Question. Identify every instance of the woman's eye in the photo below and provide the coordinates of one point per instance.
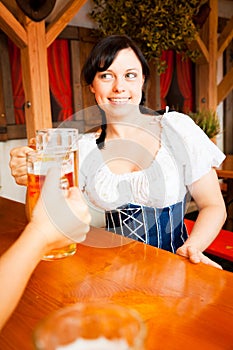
(106, 76)
(131, 75)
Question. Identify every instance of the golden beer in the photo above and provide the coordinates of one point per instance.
(38, 164)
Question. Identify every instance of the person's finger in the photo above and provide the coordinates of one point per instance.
(51, 184)
(32, 143)
(189, 252)
(193, 255)
(210, 262)
(18, 152)
(79, 205)
(70, 218)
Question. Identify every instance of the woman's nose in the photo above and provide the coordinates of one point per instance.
(118, 85)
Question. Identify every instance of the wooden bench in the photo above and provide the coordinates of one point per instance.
(222, 246)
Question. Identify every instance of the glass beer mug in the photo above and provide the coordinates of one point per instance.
(57, 147)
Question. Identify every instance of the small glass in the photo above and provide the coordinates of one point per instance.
(38, 164)
(91, 327)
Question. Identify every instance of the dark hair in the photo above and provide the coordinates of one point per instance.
(101, 57)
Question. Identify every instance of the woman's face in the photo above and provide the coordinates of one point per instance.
(120, 86)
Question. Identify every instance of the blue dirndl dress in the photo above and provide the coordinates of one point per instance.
(149, 205)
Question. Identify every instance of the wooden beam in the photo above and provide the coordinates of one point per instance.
(228, 108)
(202, 47)
(202, 72)
(225, 37)
(12, 27)
(225, 86)
(35, 79)
(213, 27)
(62, 20)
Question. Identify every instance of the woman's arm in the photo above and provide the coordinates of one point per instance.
(40, 236)
(212, 215)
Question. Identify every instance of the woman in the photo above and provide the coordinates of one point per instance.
(141, 166)
(40, 236)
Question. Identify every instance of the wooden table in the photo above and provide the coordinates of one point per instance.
(225, 171)
(183, 305)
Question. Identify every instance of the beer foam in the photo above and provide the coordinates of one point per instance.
(100, 343)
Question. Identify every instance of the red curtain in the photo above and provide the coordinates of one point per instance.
(60, 77)
(184, 77)
(166, 77)
(17, 86)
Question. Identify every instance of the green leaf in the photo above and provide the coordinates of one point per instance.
(154, 25)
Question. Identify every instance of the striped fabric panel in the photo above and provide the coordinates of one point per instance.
(163, 228)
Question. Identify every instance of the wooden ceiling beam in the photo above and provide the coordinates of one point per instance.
(11, 26)
(225, 37)
(62, 20)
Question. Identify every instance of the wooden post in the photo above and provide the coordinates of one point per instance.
(213, 49)
(202, 70)
(35, 78)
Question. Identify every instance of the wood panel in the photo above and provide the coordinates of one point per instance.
(76, 74)
(91, 117)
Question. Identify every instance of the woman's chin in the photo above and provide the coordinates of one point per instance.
(120, 110)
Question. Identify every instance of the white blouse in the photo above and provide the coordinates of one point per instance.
(185, 155)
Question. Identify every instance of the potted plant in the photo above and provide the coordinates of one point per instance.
(208, 121)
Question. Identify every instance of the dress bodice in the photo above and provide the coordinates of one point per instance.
(185, 155)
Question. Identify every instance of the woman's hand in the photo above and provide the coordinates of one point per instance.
(196, 256)
(18, 164)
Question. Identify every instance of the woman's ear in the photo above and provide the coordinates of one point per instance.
(92, 89)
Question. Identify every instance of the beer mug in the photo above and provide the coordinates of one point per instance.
(60, 138)
(55, 147)
(91, 326)
(38, 164)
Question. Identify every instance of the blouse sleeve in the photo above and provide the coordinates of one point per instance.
(192, 149)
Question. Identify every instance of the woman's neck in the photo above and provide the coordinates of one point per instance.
(124, 127)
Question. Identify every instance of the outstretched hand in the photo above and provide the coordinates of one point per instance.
(196, 256)
(61, 216)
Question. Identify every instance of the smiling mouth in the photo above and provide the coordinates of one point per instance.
(119, 100)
